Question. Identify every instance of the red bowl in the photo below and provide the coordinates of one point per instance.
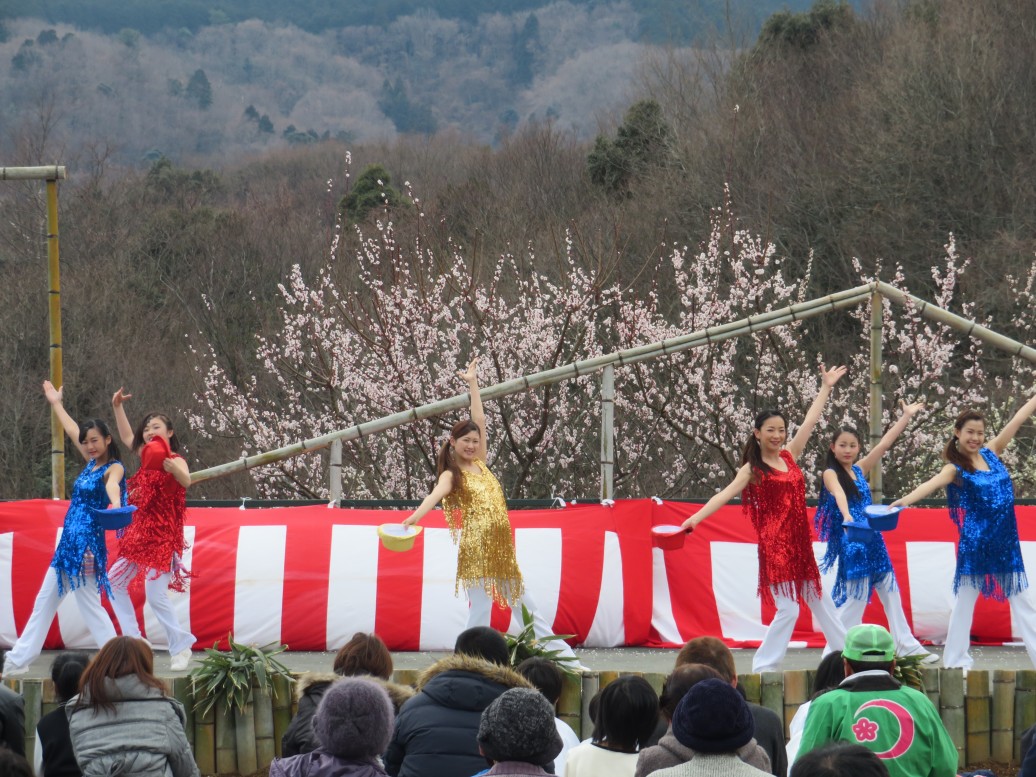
(668, 537)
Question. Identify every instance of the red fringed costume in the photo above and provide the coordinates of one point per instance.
(776, 505)
(154, 540)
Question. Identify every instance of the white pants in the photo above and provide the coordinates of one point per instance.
(30, 643)
(157, 593)
(958, 635)
(771, 652)
(851, 614)
(482, 609)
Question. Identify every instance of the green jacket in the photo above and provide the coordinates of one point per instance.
(899, 724)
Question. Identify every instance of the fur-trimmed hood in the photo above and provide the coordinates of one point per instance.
(308, 682)
(501, 675)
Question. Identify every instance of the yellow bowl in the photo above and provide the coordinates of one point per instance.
(396, 536)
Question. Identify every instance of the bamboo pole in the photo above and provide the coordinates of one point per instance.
(1024, 706)
(796, 692)
(698, 339)
(959, 323)
(570, 704)
(57, 435)
(335, 486)
(876, 394)
(264, 728)
(1003, 716)
(591, 687)
(226, 744)
(32, 695)
(608, 432)
(46, 173)
(205, 741)
(244, 738)
(751, 684)
(771, 687)
(183, 694)
(951, 708)
(282, 711)
(930, 677)
(977, 716)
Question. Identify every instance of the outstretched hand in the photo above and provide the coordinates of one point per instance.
(52, 394)
(910, 410)
(119, 397)
(832, 376)
(471, 373)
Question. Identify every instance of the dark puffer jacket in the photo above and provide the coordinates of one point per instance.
(309, 690)
(436, 731)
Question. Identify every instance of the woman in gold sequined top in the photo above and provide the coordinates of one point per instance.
(476, 512)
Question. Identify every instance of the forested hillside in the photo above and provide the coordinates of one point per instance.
(266, 297)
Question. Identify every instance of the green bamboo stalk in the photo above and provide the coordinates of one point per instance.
(796, 692)
(226, 744)
(977, 713)
(951, 709)
(244, 739)
(205, 741)
(32, 694)
(282, 703)
(1003, 716)
(570, 705)
(591, 685)
(930, 677)
(751, 684)
(1024, 706)
(182, 692)
(772, 692)
(264, 729)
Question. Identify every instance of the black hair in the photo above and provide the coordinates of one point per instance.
(545, 675)
(102, 429)
(845, 479)
(682, 679)
(13, 765)
(951, 452)
(483, 642)
(627, 714)
(752, 454)
(830, 673)
(870, 666)
(65, 672)
(838, 759)
(138, 436)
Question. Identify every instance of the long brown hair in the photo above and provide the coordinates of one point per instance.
(119, 657)
(364, 654)
(753, 454)
(951, 452)
(446, 459)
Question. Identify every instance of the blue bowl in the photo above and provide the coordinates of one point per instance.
(858, 532)
(882, 517)
(116, 518)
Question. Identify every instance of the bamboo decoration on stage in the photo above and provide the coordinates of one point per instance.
(951, 708)
(1024, 706)
(978, 713)
(1003, 715)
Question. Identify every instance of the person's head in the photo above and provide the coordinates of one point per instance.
(66, 672)
(155, 425)
(677, 684)
(713, 718)
(518, 725)
(839, 759)
(626, 714)
(713, 653)
(768, 436)
(485, 643)
(545, 675)
(364, 654)
(97, 441)
(830, 673)
(354, 719)
(13, 765)
(841, 455)
(461, 447)
(969, 435)
(119, 657)
(868, 647)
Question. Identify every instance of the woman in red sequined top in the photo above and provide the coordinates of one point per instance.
(152, 547)
(774, 499)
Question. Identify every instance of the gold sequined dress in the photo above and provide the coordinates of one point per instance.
(477, 516)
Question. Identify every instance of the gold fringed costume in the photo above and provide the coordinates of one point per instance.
(477, 516)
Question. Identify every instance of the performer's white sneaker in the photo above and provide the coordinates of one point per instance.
(181, 660)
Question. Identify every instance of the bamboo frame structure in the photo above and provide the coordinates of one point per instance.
(876, 391)
(51, 174)
(608, 432)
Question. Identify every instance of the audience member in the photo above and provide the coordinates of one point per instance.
(769, 728)
(363, 655)
(12, 718)
(436, 730)
(830, 672)
(870, 707)
(545, 675)
(53, 753)
(839, 759)
(122, 723)
(13, 765)
(626, 714)
(518, 735)
(669, 752)
(713, 721)
(352, 726)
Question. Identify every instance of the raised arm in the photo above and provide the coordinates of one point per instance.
(735, 487)
(873, 456)
(121, 420)
(828, 378)
(946, 476)
(442, 489)
(999, 443)
(834, 487)
(478, 414)
(54, 397)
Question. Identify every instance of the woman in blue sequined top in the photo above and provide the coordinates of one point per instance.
(861, 567)
(989, 557)
(80, 562)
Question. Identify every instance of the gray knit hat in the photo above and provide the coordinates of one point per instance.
(354, 719)
(519, 726)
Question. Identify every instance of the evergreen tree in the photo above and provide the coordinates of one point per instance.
(199, 89)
